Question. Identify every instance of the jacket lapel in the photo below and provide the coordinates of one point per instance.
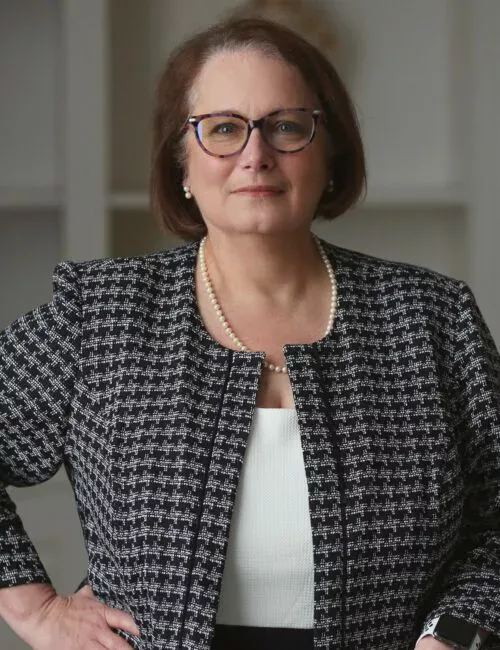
(180, 415)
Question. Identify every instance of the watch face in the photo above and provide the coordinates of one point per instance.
(455, 630)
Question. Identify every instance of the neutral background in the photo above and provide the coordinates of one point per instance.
(76, 84)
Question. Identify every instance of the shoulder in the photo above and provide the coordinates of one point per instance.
(369, 273)
(123, 286)
(142, 264)
(124, 272)
(388, 296)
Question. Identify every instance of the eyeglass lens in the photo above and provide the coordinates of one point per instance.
(287, 131)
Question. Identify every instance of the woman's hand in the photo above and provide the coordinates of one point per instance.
(77, 622)
(429, 643)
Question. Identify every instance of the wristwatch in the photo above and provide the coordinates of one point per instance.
(455, 632)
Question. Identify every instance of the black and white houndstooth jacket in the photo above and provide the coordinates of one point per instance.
(399, 412)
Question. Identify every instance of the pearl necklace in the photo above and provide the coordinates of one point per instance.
(227, 327)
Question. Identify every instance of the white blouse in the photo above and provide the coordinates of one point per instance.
(268, 578)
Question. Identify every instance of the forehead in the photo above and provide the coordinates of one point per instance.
(250, 82)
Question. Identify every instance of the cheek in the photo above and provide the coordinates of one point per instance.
(217, 170)
(309, 172)
(208, 173)
(204, 170)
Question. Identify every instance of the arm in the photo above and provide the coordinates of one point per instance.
(19, 604)
(471, 586)
(39, 363)
(39, 356)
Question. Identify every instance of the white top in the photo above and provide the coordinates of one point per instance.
(268, 578)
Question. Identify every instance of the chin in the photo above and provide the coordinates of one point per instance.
(264, 227)
(265, 220)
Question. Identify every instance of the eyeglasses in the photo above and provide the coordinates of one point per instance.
(226, 134)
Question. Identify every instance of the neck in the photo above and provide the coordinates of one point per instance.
(275, 270)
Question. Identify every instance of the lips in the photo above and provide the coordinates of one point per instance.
(260, 189)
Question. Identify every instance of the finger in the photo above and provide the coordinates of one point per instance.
(121, 620)
(114, 642)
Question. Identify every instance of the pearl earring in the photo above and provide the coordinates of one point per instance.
(187, 192)
(331, 185)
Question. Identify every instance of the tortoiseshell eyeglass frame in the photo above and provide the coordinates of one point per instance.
(194, 121)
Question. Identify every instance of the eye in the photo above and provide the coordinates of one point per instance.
(225, 128)
(287, 127)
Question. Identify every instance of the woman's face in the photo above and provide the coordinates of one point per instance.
(253, 84)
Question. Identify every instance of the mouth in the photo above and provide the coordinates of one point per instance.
(260, 190)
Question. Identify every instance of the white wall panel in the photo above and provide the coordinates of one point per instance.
(29, 250)
(30, 106)
(401, 80)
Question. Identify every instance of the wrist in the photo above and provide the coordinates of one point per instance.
(453, 632)
(430, 643)
(21, 604)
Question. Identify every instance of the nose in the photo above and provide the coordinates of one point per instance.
(257, 154)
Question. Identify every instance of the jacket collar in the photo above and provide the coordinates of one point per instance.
(188, 312)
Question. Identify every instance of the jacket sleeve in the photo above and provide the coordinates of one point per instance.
(39, 356)
(471, 585)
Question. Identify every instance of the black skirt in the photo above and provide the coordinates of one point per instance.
(240, 637)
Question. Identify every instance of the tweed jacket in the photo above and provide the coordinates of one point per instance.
(399, 413)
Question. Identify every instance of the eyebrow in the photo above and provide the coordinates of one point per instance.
(238, 112)
(235, 110)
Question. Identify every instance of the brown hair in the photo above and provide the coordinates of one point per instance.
(348, 172)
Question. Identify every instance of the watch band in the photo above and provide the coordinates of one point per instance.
(431, 625)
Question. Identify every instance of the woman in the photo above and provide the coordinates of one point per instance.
(340, 412)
